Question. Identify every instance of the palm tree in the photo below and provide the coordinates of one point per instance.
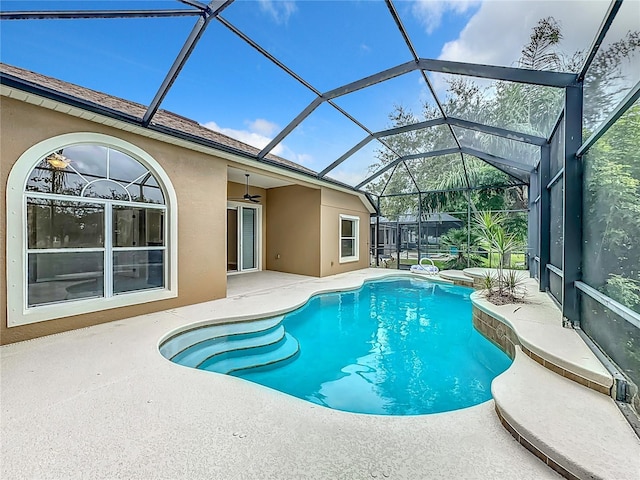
(494, 238)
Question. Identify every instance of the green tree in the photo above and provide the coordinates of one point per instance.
(460, 239)
(611, 226)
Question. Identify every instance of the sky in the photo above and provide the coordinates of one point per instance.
(229, 87)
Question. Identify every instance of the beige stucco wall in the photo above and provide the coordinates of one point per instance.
(293, 230)
(333, 204)
(303, 230)
(200, 182)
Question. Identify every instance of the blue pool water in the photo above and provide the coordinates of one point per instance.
(393, 347)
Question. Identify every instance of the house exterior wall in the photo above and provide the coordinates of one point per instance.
(300, 222)
(333, 204)
(200, 183)
(293, 230)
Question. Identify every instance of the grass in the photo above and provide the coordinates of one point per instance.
(517, 262)
(413, 261)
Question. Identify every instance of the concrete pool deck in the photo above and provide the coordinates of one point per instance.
(101, 402)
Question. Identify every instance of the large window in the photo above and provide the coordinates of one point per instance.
(94, 233)
(349, 234)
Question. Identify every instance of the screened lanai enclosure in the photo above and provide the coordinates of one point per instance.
(546, 139)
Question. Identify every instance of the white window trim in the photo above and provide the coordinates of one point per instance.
(356, 257)
(17, 311)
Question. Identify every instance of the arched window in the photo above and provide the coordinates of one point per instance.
(97, 228)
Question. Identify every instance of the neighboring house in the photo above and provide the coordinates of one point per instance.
(107, 219)
(392, 240)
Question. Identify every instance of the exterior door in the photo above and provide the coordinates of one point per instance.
(243, 237)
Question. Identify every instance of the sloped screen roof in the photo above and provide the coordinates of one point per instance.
(382, 96)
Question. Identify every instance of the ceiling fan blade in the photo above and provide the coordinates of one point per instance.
(255, 196)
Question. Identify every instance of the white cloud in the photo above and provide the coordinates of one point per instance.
(345, 176)
(430, 12)
(303, 158)
(259, 133)
(279, 10)
(250, 137)
(262, 126)
(497, 32)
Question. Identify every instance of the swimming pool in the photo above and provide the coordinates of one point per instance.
(398, 346)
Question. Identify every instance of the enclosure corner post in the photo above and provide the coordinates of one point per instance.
(533, 230)
(572, 228)
(544, 176)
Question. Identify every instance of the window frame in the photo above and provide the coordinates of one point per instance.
(355, 238)
(18, 310)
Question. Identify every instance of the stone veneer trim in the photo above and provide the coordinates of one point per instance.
(491, 326)
(533, 449)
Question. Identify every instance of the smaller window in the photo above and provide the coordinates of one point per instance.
(349, 234)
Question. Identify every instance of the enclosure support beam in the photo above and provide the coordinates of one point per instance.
(533, 230)
(353, 150)
(370, 80)
(468, 228)
(215, 7)
(461, 189)
(99, 14)
(597, 41)
(419, 226)
(401, 159)
(509, 74)
(410, 128)
(572, 218)
(398, 243)
(621, 108)
(195, 4)
(496, 131)
(289, 128)
(499, 160)
(544, 252)
(377, 251)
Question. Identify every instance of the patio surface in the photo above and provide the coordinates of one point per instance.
(101, 402)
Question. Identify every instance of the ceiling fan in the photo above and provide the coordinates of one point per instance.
(246, 196)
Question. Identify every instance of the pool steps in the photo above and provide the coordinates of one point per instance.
(232, 347)
(256, 357)
(181, 341)
(197, 354)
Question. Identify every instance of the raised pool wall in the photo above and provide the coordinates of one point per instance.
(498, 333)
(501, 334)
